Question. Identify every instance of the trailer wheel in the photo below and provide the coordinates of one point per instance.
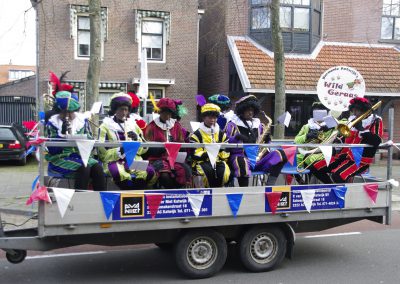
(262, 248)
(201, 253)
(17, 256)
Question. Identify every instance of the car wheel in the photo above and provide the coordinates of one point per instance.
(22, 162)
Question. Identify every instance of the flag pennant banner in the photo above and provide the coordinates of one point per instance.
(372, 190)
(154, 201)
(85, 148)
(340, 192)
(251, 153)
(63, 198)
(30, 151)
(290, 152)
(234, 200)
(285, 119)
(37, 141)
(289, 179)
(212, 151)
(172, 150)
(109, 199)
(196, 201)
(195, 125)
(327, 152)
(41, 115)
(35, 182)
(357, 154)
(273, 200)
(308, 197)
(30, 125)
(201, 100)
(130, 150)
(40, 193)
(143, 91)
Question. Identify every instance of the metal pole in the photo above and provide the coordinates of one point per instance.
(390, 150)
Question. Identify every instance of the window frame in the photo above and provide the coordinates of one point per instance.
(163, 38)
(151, 87)
(395, 19)
(77, 35)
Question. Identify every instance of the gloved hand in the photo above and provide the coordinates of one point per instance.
(64, 127)
(359, 126)
(132, 135)
(312, 134)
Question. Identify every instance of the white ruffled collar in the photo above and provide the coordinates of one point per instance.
(367, 121)
(208, 130)
(254, 123)
(165, 126)
(76, 124)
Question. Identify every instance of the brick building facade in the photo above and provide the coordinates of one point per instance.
(342, 25)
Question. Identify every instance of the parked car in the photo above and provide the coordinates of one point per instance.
(13, 143)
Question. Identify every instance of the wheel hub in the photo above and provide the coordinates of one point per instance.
(201, 253)
(263, 248)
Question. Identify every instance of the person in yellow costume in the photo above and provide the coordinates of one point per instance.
(209, 132)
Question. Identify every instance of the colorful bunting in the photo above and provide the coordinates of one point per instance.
(357, 154)
(37, 141)
(273, 200)
(109, 200)
(289, 179)
(308, 197)
(30, 125)
(154, 201)
(130, 150)
(372, 190)
(212, 151)
(196, 201)
(234, 200)
(327, 152)
(195, 125)
(63, 197)
(40, 193)
(172, 150)
(35, 182)
(41, 115)
(290, 152)
(340, 192)
(85, 148)
(251, 153)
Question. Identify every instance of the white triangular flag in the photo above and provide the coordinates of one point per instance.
(96, 107)
(195, 125)
(308, 197)
(212, 151)
(196, 200)
(327, 152)
(85, 148)
(285, 119)
(143, 91)
(63, 197)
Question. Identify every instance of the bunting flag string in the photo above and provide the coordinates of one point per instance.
(273, 200)
(234, 200)
(340, 192)
(196, 201)
(195, 125)
(172, 150)
(308, 197)
(327, 152)
(63, 198)
(251, 153)
(40, 193)
(130, 150)
(35, 182)
(357, 154)
(212, 151)
(109, 200)
(154, 201)
(85, 148)
(372, 191)
(290, 152)
(289, 179)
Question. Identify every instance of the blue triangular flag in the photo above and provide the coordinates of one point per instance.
(41, 115)
(340, 192)
(130, 150)
(34, 183)
(234, 200)
(109, 200)
(357, 154)
(251, 153)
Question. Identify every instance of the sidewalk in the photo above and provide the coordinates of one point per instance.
(16, 182)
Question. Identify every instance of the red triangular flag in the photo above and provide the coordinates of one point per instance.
(273, 200)
(289, 179)
(29, 124)
(172, 150)
(154, 201)
(37, 141)
(290, 152)
(372, 190)
(40, 193)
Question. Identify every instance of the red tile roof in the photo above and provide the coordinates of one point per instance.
(379, 66)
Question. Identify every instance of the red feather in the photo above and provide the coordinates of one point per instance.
(141, 123)
(29, 124)
(55, 82)
(66, 87)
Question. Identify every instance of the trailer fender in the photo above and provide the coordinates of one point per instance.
(290, 237)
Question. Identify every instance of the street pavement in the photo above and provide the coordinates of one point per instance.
(16, 183)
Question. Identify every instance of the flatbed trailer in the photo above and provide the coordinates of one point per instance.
(264, 236)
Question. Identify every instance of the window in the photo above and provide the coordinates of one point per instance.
(152, 39)
(158, 93)
(19, 74)
(80, 30)
(83, 36)
(390, 28)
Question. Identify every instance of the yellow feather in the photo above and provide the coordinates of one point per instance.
(156, 109)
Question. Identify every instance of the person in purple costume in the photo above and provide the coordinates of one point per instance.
(245, 128)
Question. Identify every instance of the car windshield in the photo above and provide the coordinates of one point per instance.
(6, 134)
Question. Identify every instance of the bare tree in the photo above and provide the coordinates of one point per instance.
(93, 75)
(279, 60)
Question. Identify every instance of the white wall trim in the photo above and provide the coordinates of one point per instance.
(237, 60)
(156, 81)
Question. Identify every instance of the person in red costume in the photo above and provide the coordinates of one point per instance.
(367, 131)
(167, 129)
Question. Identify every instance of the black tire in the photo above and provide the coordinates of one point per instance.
(18, 256)
(22, 162)
(201, 253)
(262, 248)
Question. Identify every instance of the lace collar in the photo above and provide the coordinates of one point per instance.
(207, 130)
(254, 123)
(165, 126)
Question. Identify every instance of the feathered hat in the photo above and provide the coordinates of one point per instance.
(362, 104)
(119, 99)
(135, 100)
(67, 101)
(57, 85)
(219, 100)
(166, 104)
(247, 102)
(210, 109)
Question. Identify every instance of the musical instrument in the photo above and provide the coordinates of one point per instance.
(261, 138)
(68, 124)
(344, 129)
